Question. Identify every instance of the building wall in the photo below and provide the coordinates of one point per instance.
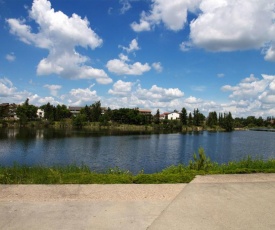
(173, 116)
(40, 113)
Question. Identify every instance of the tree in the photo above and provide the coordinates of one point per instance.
(198, 118)
(157, 117)
(49, 111)
(221, 120)
(57, 113)
(190, 119)
(212, 119)
(26, 112)
(79, 120)
(87, 112)
(106, 117)
(228, 122)
(4, 110)
(96, 111)
(183, 116)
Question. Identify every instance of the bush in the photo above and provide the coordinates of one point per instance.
(200, 162)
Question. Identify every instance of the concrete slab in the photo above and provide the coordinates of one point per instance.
(208, 202)
(222, 202)
(83, 206)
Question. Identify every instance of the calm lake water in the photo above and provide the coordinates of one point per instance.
(133, 152)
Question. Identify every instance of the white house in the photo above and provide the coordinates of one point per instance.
(40, 113)
(173, 116)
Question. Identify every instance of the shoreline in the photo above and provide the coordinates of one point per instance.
(18, 174)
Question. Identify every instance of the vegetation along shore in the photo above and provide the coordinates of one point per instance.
(97, 117)
(200, 165)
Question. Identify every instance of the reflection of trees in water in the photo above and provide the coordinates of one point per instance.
(26, 134)
(26, 139)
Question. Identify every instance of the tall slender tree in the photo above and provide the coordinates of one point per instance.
(96, 111)
(157, 117)
(183, 116)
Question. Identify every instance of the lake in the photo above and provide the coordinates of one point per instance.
(128, 151)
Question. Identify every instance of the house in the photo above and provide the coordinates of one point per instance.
(75, 110)
(163, 116)
(8, 111)
(173, 116)
(145, 112)
(103, 110)
(40, 113)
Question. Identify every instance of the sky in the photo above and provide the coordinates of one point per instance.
(214, 55)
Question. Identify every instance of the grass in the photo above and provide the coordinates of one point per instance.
(200, 165)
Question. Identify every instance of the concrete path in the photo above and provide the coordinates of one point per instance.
(73, 207)
(222, 202)
(208, 202)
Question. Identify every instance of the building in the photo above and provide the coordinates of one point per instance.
(40, 113)
(173, 116)
(164, 116)
(8, 111)
(145, 112)
(75, 110)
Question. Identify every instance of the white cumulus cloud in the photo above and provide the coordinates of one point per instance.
(229, 25)
(120, 67)
(173, 14)
(124, 66)
(53, 89)
(253, 96)
(121, 88)
(60, 34)
(159, 93)
(157, 66)
(10, 57)
(219, 25)
(6, 87)
(81, 97)
(132, 46)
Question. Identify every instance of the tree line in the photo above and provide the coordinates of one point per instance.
(93, 113)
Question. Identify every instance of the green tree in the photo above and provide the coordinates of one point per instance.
(190, 119)
(79, 120)
(228, 122)
(221, 120)
(87, 112)
(48, 111)
(96, 111)
(4, 110)
(212, 119)
(157, 117)
(198, 118)
(26, 112)
(62, 112)
(183, 116)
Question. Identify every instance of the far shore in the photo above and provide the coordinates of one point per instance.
(119, 127)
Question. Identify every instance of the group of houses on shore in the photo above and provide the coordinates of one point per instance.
(9, 112)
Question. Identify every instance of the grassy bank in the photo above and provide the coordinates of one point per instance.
(200, 165)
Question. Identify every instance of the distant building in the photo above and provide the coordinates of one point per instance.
(104, 110)
(75, 110)
(173, 116)
(145, 111)
(8, 111)
(163, 116)
(40, 113)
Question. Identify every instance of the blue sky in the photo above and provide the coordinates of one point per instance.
(215, 55)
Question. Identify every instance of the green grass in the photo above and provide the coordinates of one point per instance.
(200, 165)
